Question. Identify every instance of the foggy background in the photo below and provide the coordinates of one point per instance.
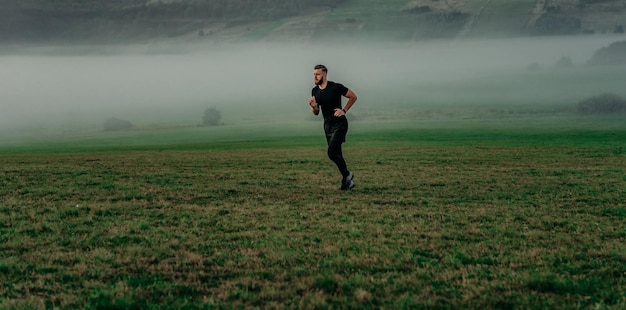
(66, 90)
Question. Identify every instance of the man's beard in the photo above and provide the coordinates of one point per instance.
(320, 82)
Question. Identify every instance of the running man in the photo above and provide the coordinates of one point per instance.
(326, 95)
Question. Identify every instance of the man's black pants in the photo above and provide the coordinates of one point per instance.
(335, 136)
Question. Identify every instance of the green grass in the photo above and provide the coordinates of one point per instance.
(472, 216)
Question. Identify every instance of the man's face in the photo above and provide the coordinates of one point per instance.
(319, 76)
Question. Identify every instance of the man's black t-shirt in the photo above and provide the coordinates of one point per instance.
(329, 99)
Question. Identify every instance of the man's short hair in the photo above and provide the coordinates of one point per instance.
(322, 67)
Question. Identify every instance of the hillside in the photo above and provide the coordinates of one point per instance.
(301, 20)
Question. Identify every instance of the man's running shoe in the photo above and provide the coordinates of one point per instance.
(347, 183)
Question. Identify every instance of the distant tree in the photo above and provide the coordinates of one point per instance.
(602, 104)
(114, 124)
(211, 117)
(614, 54)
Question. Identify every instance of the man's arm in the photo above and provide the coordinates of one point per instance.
(351, 100)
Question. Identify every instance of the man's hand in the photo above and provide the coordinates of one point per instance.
(315, 109)
(339, 113)
(313, 103)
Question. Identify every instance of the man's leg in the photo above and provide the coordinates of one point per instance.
(335, 154)
(335, 138)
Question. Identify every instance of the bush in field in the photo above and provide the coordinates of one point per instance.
(602, 104)
(614, 54)
(113, 124)
(211, 117)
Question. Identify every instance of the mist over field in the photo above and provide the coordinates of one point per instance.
(66, 90)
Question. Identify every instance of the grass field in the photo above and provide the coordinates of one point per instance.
(512, 215)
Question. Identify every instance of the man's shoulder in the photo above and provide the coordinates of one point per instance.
(337, 87)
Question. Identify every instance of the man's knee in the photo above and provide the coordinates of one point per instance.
(331, 153)
(334, 151)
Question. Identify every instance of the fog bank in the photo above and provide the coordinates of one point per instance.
(251, 82)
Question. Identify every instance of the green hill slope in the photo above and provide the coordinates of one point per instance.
(302, 20)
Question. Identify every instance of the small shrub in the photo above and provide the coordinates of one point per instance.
(113, 124)
(602, 104)
(211, 117)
